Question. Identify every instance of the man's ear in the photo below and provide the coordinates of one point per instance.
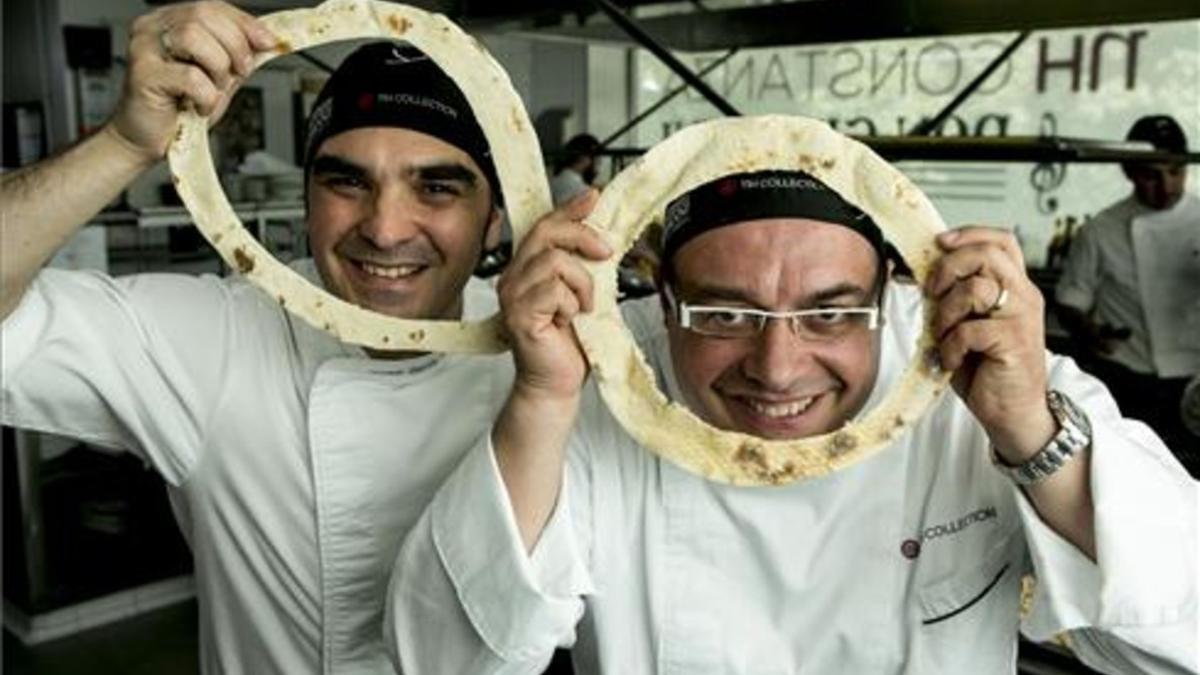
(495, 227)
(660, 284)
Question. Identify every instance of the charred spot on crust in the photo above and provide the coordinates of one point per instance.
(179, 133)
(751, 453)
(842, 442)
(217, 238)
(399, 24)
(327, 326)
(517, 123)
(175, 179)
(932, 360)
(783, 474)
(892, 430)
(742, 166)
(752, 456)
(417, 335)
(808, 163)
(284, 47)
(244, 261)
(282, 300)
(828, 163)
(903, 192)
(386, 339)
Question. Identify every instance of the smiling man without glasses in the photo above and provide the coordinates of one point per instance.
(402, 191)
(777, 318)
(295, 463)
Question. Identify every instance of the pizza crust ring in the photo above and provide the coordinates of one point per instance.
(498, 109)
(697, 155)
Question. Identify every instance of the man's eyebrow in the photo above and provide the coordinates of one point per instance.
(836, 292)
(441, 171)
(452, 171)
(715, 292)
(326, 164)
(733, 294)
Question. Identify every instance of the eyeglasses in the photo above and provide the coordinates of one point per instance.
(819, 324)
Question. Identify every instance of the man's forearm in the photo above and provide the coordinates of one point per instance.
(1063, 500)
(44, 204)
(530, 439)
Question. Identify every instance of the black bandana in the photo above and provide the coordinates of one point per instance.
(394, 84)
(754, 196)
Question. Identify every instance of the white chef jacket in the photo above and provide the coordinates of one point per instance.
(908, 562)
(295, 464)
(566, 185)
(1140, 269)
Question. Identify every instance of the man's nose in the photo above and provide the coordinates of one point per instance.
(778, 356)
(393, 217)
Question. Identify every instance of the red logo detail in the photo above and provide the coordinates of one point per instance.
(366, 102)
(910, 548)
(727, 187)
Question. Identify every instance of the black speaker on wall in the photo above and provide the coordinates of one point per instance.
(88, 47)
(24, 133)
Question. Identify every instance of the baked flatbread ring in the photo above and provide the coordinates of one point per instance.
(498, 109)
(697, 155)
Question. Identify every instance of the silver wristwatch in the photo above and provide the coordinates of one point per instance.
(1073, 437)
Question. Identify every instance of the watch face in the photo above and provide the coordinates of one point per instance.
(1074, 436)
(1067, 412)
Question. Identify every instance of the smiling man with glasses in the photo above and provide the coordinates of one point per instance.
(778, 318)
(738, 367)
(819, 324)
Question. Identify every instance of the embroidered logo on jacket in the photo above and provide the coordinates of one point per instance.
(911, 548)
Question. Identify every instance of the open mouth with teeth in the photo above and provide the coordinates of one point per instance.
(776, 419)
(389, 271)
(781, 410)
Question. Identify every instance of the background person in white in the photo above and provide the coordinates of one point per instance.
(575, 171)
(908, 562)
(295, 463)
(1130, 287)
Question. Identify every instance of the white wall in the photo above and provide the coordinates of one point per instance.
(516, 55)
(560, 82)
(590, 83)
(549, 75)
(278, 80)
(610, 105)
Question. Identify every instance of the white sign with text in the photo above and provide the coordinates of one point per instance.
(1084, 83)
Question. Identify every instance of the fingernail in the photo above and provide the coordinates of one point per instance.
(266, 37)
(948, 237)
